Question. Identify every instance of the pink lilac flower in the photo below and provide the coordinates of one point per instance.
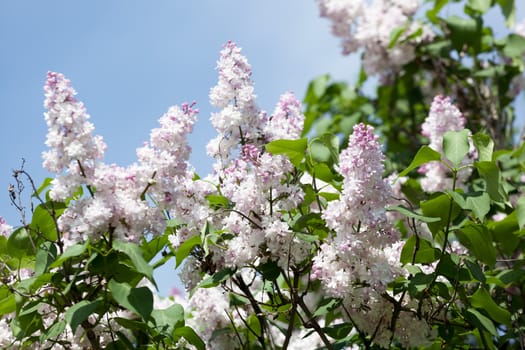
(287, 120)
(69, 137)
(5, 228)
(362, 257)
(360, 25)
(209, 309)
(443, 117)
(358, 219)
(166, 155)
(116, 202)
(240, 120)
(117, 207)
(365, 192)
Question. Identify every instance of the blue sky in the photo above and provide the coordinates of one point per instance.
(130, 60)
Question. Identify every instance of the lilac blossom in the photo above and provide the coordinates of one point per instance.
(443, 117)
(362, 257)
(365, 192)
(253, 181)
(361, 25)
(209, 308)
(358, 219)
(73, 148)
(117, 207)
(166, 157)
(287, 120)
(239, 120)
(116, 202)
(5, 228)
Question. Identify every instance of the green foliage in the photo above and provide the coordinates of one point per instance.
(461, 264)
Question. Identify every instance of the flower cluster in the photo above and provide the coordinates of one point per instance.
(287, 120)
(254, 183)
(73, 148)
(358, 262)
(443, 117)
(5, 228)
(358, 219)
(370, 26)
(116, 202)
(240, 121)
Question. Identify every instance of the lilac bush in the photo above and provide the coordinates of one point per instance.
(396, 224)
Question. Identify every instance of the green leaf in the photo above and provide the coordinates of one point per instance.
(294, 149)
(26, 325)
(504, 232)
(481, 299)
(475, 270)
(326, 305)
(43, 224)
(424, 155)
(45, 184)
(7, 301)
(509, 11)
(338, 331)
(395, 35)
(484, 146)
(316, 88)
(80, 312)
(270, 270)
(481, 321)
(185, 249)
(480, 205)
(319, 151)
(409, 213)
(167, 320)
(216, 279)
(151, 248)
(480, 6)
(322, 172)
(438, 206)
(190, 335)
(45, 255)
(408, 250)
(478, 240)
(419, 282)
(477, 202)
(520, 212)
(432, 14)
(139, 300)
(32, 284)
(456, 146)
(54, 331)
(515, 46)
(135, 254)
(464, 32)
(425, 253)
(71, 252)
(489, 171)
(217, 201)
(20, 244)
